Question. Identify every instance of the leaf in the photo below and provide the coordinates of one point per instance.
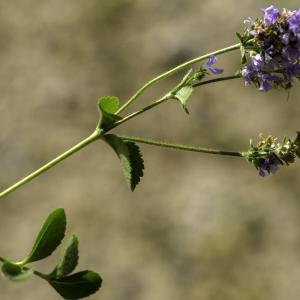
(78, 285)
(108, 106)
(297, 144)
(239, 36)
(49, 236)
(131, 159)
(15, 272)
(243, 55)
(183, 96)
(68, 260)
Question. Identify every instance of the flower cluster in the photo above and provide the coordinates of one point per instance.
(269, 154)
(273, 43)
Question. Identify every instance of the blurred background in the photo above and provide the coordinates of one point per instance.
(198, 226)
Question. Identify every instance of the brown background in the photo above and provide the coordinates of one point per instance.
(198, 227)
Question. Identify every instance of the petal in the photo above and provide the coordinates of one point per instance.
(262, 173)
(211, 61)
(216, 71)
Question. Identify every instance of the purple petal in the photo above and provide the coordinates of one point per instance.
(215, 71)
(264, 86)
(294, 21)
(211, 61)
(262, 173)
(258, 61)
(272, 14)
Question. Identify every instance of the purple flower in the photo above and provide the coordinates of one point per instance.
(294, 21)
(258, 62)
(248, 73)
(269, 166)
(293, 71)
(272, 14)
(211, 61)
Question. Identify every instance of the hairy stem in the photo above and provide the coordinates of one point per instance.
(96, 135)
(217, 80)
(174, 71)
(181, 147)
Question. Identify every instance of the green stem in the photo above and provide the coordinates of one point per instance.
(174, 71)
(155, 103)
(168, 97)
(96, 135)
(181, 147)
(98, 132)
(217, 80)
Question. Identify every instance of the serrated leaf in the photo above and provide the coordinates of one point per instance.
(183, 96)
(68, 260)
(49, 237)
(15, 272)
(78, 285)
(130, 157)
(108, 106)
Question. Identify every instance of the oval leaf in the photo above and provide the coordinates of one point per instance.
(108, 106)
(15, 272)
(130, 157)
(49, 236)
(76, 286)
(69, 259)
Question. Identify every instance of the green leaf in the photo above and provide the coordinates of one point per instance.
(130, 157)
(68, 260)
(183, 96)
(108, 106)
(15, 272)
(49, 236)
(243, 55)
(78, 285)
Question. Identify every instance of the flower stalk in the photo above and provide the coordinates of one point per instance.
(181, 147)
(98, 133)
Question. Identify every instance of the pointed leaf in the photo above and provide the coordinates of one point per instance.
(130, 157)
(78, 285)
(14, 272)
(239, 36)
(68, 260)
(137, 164)
(108, 106)
(183, 96)
(49, 237)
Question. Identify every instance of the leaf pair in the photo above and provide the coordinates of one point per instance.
(78, 285)
(128, 152)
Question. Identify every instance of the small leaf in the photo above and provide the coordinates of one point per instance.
(15, 273)
(49, 236)
(108, 106)
(130, 157)
(69, 259)
(78, 285)
(243, 55)
(183, 96)
(239, 36)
